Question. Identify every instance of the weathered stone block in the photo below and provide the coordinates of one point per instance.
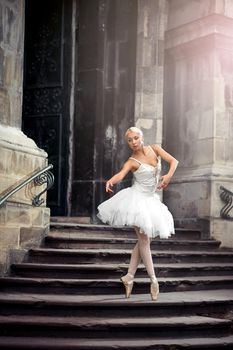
(4, 261)
(222, 231)
(13, 71)
(220, 150)
(21, 228)
(9, 237)
(230, 150)
(219, 95)
(206, 124)
(149, 105)
(149, 53)
(149, 75)
(46, 216)
(16, 256)
(184, 12)
(139, 51)
(32, 236)
(159, 80)
(39, 216)
(11, 26)
(196, 203)
(222, 125)
(18, 216)
(1, 22)
(4, 106)
(203, 208)
(226, 8)
(199, 157)
(11, 61)
(8, 70)
(1, 66)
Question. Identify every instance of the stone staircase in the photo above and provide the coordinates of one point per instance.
(67, 294)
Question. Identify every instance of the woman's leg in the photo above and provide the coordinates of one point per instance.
(127, 280)
(133, 265)
(141, 251)
(134, 260)
(145, 253)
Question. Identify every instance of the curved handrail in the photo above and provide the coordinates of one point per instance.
(39, 178)
(227, 197)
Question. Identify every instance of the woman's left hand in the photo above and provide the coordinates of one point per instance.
(164, 181)
(109, 186)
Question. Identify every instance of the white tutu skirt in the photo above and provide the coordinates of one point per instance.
(130, 207)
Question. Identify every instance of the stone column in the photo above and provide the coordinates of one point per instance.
(152, 22)
(198, 112)
(21, 225)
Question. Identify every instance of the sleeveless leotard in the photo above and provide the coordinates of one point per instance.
(139, 205)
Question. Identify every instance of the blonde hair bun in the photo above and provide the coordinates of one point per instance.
(134, 129)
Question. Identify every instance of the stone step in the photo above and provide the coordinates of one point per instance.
(51, 343)
(67, 241)
(96, 256)
(73, 298)
(71, 220)
(110, 286)
(98, 271)
(104, 231)
(109, 327)
(216, 303)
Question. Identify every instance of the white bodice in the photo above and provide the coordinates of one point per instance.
(146, 177)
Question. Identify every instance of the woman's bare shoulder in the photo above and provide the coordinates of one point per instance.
(155, 148)
(128, 163)
(131, 164)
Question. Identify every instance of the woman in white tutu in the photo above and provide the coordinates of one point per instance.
(139, 205)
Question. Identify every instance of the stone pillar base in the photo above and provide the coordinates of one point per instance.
(22, 226)
(194, 200)
(221, 230)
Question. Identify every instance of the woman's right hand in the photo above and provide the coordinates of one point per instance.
(119, 176)
(109, 186)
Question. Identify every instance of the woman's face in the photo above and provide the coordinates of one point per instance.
(134, 140)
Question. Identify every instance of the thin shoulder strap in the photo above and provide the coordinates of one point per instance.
(138, 161)
(151, 148)
(154, 152)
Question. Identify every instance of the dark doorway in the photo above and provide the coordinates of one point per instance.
(47, 86)
(79, 91)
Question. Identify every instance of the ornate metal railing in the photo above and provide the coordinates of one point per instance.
(227, 197)
(38, 178)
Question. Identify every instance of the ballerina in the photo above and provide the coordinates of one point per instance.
(139, 206)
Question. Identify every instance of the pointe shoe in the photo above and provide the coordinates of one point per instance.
(128, 286)
(154, 289)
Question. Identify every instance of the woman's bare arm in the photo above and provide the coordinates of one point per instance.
(119, 176)
(173, 162)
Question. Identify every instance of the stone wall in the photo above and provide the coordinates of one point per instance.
(151, 26)
(198, 111)
(21, 225)
(11, 61)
